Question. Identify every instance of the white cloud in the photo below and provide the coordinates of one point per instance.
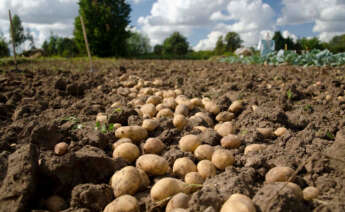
(287, 34)
(210, 42)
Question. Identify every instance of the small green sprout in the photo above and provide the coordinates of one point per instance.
(330, 135)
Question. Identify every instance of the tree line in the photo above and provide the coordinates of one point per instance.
(107, 27)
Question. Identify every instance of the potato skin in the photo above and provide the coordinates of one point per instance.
(189, 143)
(153, 146)
(193, 178)
(222, 158)
(135, 133)
(126, 181)
(125, 203)
(206, 169)
(238, 203)
(165, 188)
(183, 166)
(127, 151)
(279, 174)
(204, 152)
(179, 200)
(231, 141)
(153, 164)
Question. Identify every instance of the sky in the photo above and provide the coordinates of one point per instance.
(201, 21)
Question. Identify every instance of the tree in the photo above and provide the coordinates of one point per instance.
(18, 31)
(175, 44)
(138, 44)
(60, 46)
(4, 50)
(220, 46)
(105, 22)
(337, 44)
(158, 49)
(30, 38)
(309, 44)
(279, 40)
(232, 41)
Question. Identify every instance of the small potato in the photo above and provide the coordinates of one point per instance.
(135, 133)
(180, 121)
(157, 82)
(225, 129)
(204, 152)
(212, 107)
(205, 117)
(121, 141)
(183, 166)
(280, 131)
(222, 158)
(193, 178)
(236, 106)
(166, 113)
(169, 94)
(238, 203)
(265, 132)
(155, 100)
(125, 203)
(148, 110)
(153, 164)
(180, 99)
(179, 200)
(201, 128)
(153, 146)
(55, 203)
(178, 91)
(206, 169)
(225, 116)
(310, 193)
(127, 151)
(61, 148)
(205, 100)
(160, 107)
(279, 174)
(150, 124)
(116, 104)
(145, 180)
(102, 118)
(182, 109)
(168, 187)
(230, 141)
(126, 181)
(254, 148)
(189, 143)
(196, 102)
(169, 102)
(180, 210)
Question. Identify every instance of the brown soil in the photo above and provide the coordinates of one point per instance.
(40, 107)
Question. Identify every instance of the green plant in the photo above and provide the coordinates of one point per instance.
(330, 135)
(289, 94)
(104, 128)
(308, 108)
(76, 125)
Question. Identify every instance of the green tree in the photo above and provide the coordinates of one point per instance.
(138, 44)
(30, 38)
(158, 49)
(18, 31)
(309, 44)
(60, 46)
(232, 41)
(220, 46)
(105, 22)
(175, 44)
(337, 44)
(279, 40)
(4, 50)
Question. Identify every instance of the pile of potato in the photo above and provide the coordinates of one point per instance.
(174, 184)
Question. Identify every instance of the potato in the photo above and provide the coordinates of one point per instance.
(169, 102)
(236, 106)
(193, 178)
(238, 203)
(132, 95)
(178, 91)
(279, 174)
(265, 132)
(212, 107)
(116, 104)
(230, 141)
(161, 107)
(225, 116)
(205, 117)
(189, 143)
(222, 158)
(150, 124)
(201, 128)
(127, 151)
(204, 152)
(225, 129)
(153, 146)
(280, 131)
(117, 125)
(121, 141)
(153, 164)
(179, 200)
(166, 112)
(310, 193)
(157, 82)
(254, 107)
(126, 181)
(155, 100)
(125, 203)
(196, 102)
(168, 187)
(61, 148)
(180, 210)
(296, 189)
(102, 118)
(181, 99)
(206, 169)
(148, 110)
(254, 148)
(135, 133)
(182, 166)
(169, 94)
(205, 100)
(182, 109)
(55, 203)
(180, 121)
(145, 180)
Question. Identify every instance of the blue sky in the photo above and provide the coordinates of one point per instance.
(201, 21)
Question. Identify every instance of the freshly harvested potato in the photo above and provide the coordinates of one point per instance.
(279, 174)
(236, 106)
(201, 128)
(102, 118)
(225, 129)
(230, 141)
(148, 110)
(121, 141)
(55, 203)
(310, 193)
(181, 99)
(127, 151)
(196, 102)
(265, 132)
(169, 102)
(125, 203)
(126, 181)
(222, 158)
(155, 100)
(254, 148)
(204, 152)
(180, 210)
(169, 94)
(193, 178)
(182, 109)
(161, 107)
(238, 203)
(182, 166)
(61, 148)
(205, 117)
(153, 164)
(150, 124)
(166, 113)
(189, 143)
(205, 100)
(225, 116)
(179, 200)
(145, 180)
(153, 146)
(168, 187)
(206, 169)
(135, 133)
(157, 82)
(280, 131)
(212, 107)
(180, 121)
(178, 92)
